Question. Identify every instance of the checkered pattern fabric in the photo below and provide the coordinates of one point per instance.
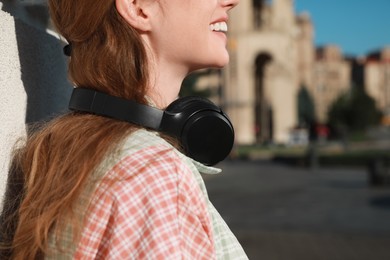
(148, 201)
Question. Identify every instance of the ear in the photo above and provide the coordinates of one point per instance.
(135, 14)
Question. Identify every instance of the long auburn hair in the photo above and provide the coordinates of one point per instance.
(107, 55)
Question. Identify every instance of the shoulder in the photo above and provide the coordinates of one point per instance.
(136, 150)
(150, 195)
(146, 151)
(144, 162)
(149, 172)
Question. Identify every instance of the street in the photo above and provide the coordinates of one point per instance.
(282, 212)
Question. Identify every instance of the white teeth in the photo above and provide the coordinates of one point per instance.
(219, 27)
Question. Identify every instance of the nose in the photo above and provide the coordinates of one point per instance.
(229, 4)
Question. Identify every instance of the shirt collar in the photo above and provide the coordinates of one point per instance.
(205, 169)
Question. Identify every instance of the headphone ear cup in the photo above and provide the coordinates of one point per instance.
(208, 137)
(206, 133)
(189, 103)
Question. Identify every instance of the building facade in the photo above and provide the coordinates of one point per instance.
(272, 57)
(331, 78)
(377, 78)
(261, 81)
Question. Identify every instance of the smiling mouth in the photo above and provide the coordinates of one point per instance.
(219, 27)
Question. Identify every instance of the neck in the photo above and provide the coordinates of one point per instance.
(166, 81)
(166, 76)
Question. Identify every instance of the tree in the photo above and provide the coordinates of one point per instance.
(354, 111)
(188, 87)
(306, 109)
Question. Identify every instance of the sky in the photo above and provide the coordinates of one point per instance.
(357, 26)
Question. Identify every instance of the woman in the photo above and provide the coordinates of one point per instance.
(97, 187)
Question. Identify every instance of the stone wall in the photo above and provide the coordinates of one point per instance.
(34, 85)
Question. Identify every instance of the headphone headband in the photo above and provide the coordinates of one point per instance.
(91, 101)
(203, 130)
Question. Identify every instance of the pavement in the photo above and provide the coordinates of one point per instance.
(280, 212)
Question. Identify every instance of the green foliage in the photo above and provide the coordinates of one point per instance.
(306, 108)
(188, 87)
(354, 111)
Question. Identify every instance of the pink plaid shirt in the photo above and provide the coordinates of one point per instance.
(146, 203)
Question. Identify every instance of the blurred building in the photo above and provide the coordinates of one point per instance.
(331, 78)
(262, 80)
(272, 55)
(377, 78)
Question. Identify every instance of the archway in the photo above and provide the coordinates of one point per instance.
(263, 109)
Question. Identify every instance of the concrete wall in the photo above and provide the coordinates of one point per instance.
(12, 94)
(33, 81)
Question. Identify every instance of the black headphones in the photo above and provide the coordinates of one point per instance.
(203, 129)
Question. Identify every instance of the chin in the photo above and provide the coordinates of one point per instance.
(217, 63)
(221, 62)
